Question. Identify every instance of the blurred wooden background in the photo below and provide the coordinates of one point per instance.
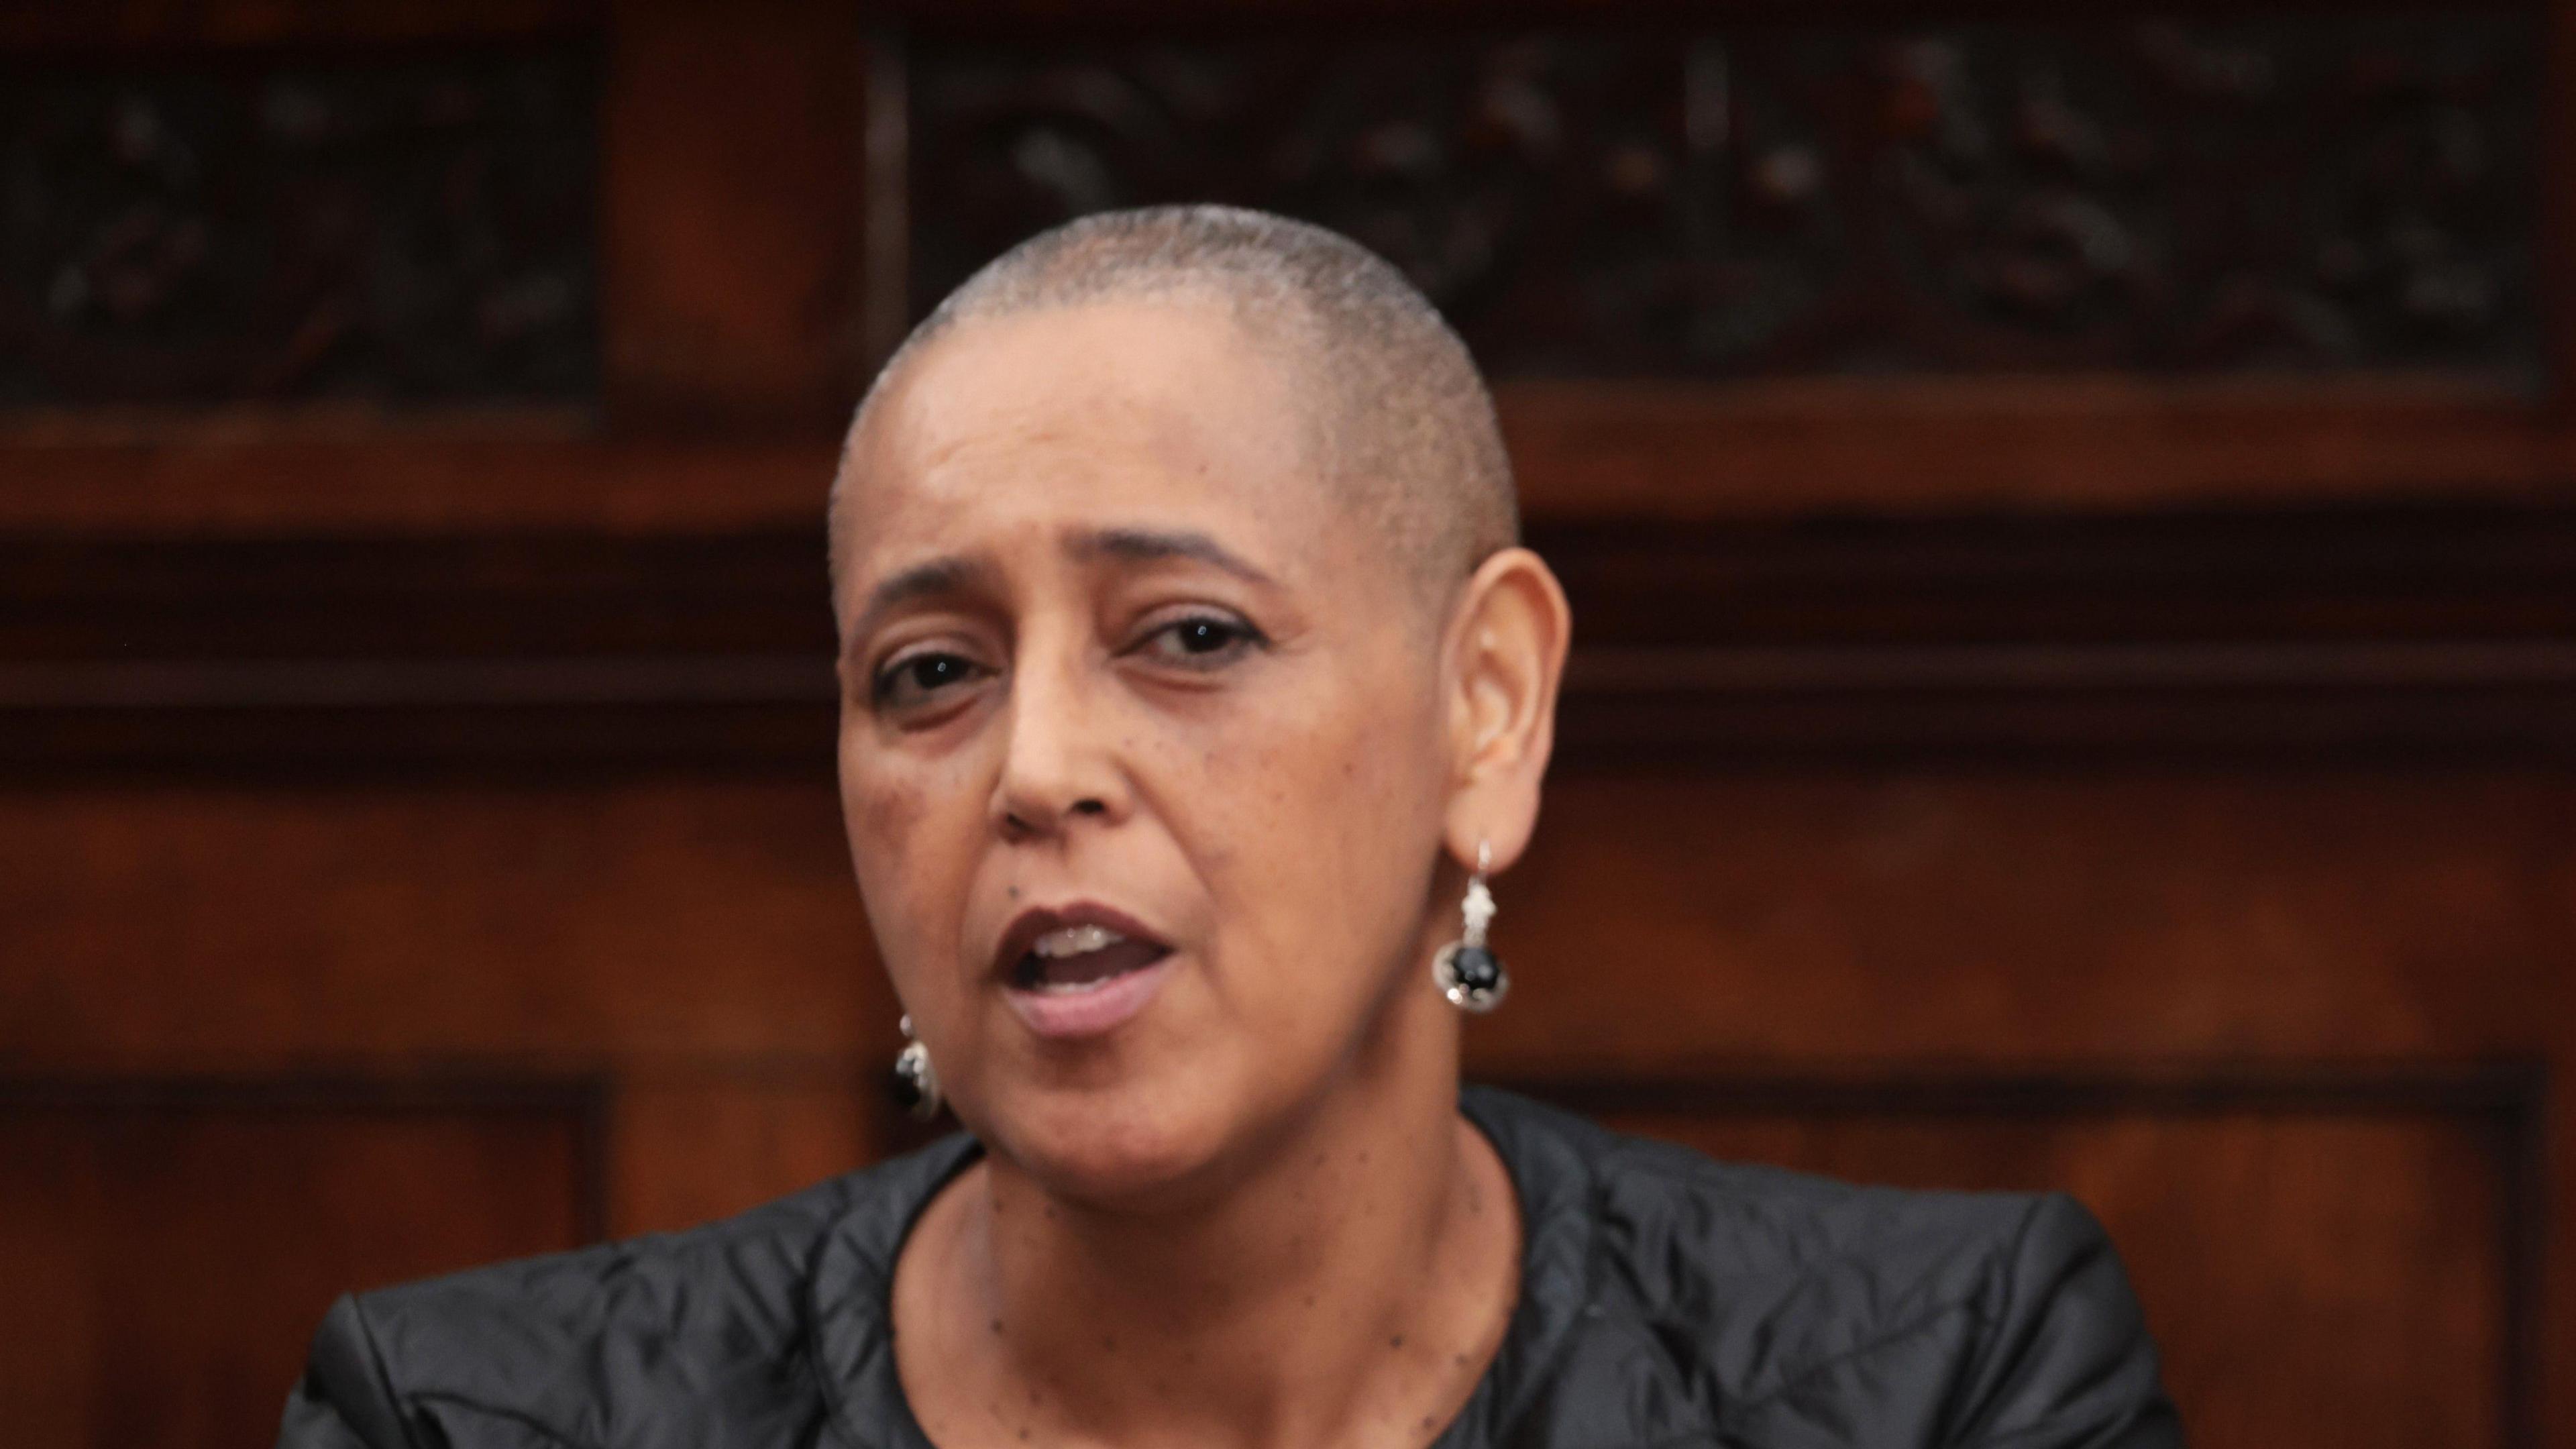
(2069, 513)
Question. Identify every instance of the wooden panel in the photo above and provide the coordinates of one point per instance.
(1657, 921)
(2326, 1277)
(1671, 922)
(688, 1145)
(733, 212)
(168, 1251)
(243, 928)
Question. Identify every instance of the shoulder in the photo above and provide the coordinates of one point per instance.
(1785, 1305)
(695, 1337)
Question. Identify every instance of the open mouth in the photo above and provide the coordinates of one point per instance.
(1077, 959)
(1079, 971)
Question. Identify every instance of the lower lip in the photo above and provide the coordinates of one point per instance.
(1073, 1015)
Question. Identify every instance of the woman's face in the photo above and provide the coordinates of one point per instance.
(1143, 757)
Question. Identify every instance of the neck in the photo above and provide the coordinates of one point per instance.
(1348, 1287)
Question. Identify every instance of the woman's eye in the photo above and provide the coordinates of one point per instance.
(918, 679)
(1200, 641)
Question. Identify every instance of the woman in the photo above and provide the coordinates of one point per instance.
(1193, 687)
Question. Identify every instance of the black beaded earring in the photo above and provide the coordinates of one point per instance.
(914, 1085)
(1471, 976)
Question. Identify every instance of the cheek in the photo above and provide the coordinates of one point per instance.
(882, 805)
(1313, 828)
(906, 847)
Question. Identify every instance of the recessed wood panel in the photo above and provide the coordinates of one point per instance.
(690, 1145)
(168, 1253)
(1663, 922)
(2312, 1278)
(563, 923)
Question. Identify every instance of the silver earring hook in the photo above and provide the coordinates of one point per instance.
(1476, 912)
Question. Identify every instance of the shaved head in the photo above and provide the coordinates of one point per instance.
(1395, 415)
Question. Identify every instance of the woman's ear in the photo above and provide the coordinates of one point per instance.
(1507, 641)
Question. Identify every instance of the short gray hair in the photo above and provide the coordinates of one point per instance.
(1405, 424)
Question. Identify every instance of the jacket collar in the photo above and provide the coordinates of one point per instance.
(850, 1284)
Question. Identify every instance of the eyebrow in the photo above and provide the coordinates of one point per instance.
(1147, 545)
(922, 580)
(951, 575)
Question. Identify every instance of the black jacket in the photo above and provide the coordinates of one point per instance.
(1666, 1301)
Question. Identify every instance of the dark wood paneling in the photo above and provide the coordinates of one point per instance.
(1632, 197)
(169, 1247)
(695, 1141)
(1669, 924)
(1593, 450)
(1919, 726)
(2406, 635)
(577, 926)
(2323, 1261)
(148, 25)
(401, 229)
(1584, 453)
(733, 214)
(261, 475)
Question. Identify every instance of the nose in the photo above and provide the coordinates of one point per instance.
(1058, 764)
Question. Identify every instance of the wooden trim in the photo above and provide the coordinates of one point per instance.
(238, 477)
(2554, 246)
(127, 25)
(2509, 1091)
(1586, 453)
(1710, 451)
(885, 270)
(1053, 18)
(2542, 1407)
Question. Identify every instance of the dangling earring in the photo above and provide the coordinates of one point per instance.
(914, 1084)
(1471, 976)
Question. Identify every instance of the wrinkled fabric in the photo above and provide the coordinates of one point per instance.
(1666, 1301)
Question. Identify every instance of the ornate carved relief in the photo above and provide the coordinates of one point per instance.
(2321, 193)
(397, 230)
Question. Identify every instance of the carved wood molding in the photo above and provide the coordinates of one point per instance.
(294, 227)
(1645, 194)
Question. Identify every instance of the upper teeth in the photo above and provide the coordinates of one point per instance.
(1074, 941)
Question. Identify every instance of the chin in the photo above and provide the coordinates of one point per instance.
(1132, 1146)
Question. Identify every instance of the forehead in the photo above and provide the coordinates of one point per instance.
(1144, 412)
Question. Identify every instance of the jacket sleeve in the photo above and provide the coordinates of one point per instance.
(344, 1400)
(2064, 1361)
